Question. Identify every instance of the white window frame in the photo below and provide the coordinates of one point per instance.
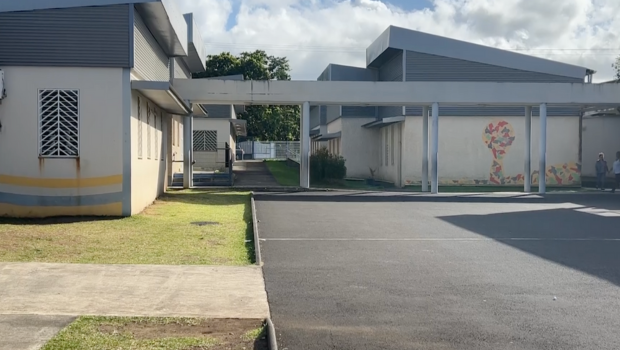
(148, 130)
(392, 151)
(163, 136)
(39, 124)
(140, 127)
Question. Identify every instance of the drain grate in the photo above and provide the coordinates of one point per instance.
(205, 223)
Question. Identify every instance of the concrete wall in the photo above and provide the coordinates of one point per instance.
(600, 134)
(210, 161)
(466, 159)
(334, 126)
(148, 172)
(174, 130)
(89, 185)
(360, 147)
(389, 156)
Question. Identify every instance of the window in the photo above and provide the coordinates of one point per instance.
(205, 140)
(387, 150)
(161, 127)
(156, 134)
(140, 122)
(59, 126)
(148, 131)
(392, 142)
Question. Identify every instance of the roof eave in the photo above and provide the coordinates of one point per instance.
(196, 57)
(167, 25)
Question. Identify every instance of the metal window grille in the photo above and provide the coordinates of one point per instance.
(59, 126)
(140, 122)
(205, 140)
(148, 131)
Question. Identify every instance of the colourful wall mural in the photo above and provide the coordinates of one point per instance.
(498, 136)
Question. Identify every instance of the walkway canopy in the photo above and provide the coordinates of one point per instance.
(424, 94)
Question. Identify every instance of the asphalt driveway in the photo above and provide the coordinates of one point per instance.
(389, 271)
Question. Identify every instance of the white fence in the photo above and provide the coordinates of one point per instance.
(269, 149)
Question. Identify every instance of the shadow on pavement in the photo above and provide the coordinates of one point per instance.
(580, 241)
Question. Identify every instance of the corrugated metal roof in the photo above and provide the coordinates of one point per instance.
(412, 40)
(161, 16)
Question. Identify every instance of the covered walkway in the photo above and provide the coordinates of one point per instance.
(428, 95)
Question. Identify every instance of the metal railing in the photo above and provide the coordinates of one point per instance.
(270, 149)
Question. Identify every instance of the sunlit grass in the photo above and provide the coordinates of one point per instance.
(164, 233)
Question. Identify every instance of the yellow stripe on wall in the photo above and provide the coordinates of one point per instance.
(61, 183)
(18, 211)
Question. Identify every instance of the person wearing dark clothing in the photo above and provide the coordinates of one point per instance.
(601, 171)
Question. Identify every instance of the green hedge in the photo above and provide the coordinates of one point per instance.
(326, 167)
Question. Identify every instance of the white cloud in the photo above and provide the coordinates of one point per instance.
(314, 33)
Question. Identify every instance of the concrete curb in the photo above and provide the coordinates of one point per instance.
(272, 341)
(257, 255)
(271, 330)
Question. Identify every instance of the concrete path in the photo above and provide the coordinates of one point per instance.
(37, 300)
(253, 173)
(356, 270)
(29, 332)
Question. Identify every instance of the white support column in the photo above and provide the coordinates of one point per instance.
(542, 167)
(425, 149)
(304, 167)
(435, 149)
(527, 169)
(187, 151)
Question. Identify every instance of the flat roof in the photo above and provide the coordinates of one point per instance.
(411, 40)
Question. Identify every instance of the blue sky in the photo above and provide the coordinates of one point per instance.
(407, 5)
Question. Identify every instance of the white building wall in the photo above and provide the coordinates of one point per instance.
(389, 147)
(465, 158)
(27, 182)
(600, 134)
(210, 161)
(360, 147)
(334, 126)
(175, 145)
(148, 168)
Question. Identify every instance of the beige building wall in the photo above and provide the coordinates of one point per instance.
(174, 130)
(91, 184)
(600, 134)
(360, 147)
(211, 161)
(390, 150)
(465, 157)
(148, 152)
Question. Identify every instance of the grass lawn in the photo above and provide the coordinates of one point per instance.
(181, 228)
(140, 333)
(285, 175)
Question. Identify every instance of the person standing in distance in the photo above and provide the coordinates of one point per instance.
(601, 171)
(616, 169)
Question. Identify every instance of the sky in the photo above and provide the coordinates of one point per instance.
(314, 33)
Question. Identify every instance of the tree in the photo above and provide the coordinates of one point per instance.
(276, 123)
(616, 66)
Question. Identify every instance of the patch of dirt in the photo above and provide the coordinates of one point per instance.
(228, 332)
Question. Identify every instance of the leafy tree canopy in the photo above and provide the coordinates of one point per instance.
(616, 66)
(266, 123)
